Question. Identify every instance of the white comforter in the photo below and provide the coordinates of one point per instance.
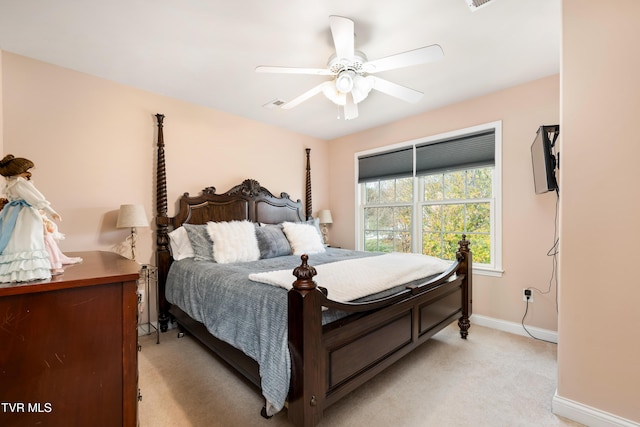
(356, 278)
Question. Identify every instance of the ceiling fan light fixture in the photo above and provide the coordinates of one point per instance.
(344, 81)
(334, 95)
(361, 88)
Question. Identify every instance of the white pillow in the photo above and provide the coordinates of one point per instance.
(303, 238)
(180, 244)
(234, 241)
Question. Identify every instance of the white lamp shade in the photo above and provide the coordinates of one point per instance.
(344, 81)
(361, 88)
(132, 216)
(324, 217)
(354, 84)
(332, 92)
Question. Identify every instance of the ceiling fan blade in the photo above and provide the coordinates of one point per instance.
(342, 30)
(395, 90)
(350, 109)
(406, 59)
(308, 94)
(294, 70)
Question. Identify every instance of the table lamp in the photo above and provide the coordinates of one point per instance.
(324, 217)
(132, 216)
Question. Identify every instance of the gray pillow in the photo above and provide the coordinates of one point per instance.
(271, 241)
(200, 242)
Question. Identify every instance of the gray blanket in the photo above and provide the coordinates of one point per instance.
(250, 316)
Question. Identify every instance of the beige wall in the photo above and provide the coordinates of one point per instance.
(93, 143)
(599, 349)
(528, 219)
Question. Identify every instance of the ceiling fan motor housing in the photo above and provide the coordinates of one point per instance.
(356, 63)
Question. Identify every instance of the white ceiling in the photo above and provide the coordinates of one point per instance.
(205, 51)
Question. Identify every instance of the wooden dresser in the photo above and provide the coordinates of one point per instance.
(68, 346)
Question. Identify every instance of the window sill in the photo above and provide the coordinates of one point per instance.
(487, 271)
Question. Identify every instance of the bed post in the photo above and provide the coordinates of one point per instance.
(308, 207)
(465, 258)
(306, 394)
(163, 256)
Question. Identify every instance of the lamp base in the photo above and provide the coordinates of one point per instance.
(325, 232)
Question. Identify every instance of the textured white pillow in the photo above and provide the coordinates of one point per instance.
(234, 241)
(303, 238)
(180, 244)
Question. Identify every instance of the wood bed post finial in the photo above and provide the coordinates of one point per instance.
(464, 244)
(304, 272)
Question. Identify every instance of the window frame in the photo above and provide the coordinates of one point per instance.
(494, 269)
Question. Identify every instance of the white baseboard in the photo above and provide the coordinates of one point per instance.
(587, 415)
(514, 328)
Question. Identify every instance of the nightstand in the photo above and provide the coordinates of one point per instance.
(148, 280)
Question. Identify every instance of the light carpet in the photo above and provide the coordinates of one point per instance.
(491, 379)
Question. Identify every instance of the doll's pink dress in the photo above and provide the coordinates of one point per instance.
(25, 256)
(56, 256)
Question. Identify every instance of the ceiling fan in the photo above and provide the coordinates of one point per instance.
(352, 73)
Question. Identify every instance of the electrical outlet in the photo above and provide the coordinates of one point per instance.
(527, 295)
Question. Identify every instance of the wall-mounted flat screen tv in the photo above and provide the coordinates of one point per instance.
(544, 160)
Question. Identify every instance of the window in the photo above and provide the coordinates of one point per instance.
(388, 215)
(423, 196)
(453, 204)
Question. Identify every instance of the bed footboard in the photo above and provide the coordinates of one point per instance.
(329, 362)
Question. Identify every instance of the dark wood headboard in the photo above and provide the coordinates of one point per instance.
(245, 201)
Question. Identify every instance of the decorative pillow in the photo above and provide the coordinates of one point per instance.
(304, 238)
(316, 223)
(180, 244)
(200, 242)
(271, 241)
(234, 241)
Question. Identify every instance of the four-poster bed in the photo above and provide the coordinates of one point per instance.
(329, 356)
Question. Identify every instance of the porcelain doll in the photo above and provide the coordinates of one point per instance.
(51, 237)
(23, 253)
